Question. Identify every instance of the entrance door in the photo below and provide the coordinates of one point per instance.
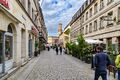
(30, 48)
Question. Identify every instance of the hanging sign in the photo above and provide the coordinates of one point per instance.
(5, 3)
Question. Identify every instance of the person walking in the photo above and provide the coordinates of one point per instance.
(117, 63)
(56, 48)
(60, 50)
(102, 61)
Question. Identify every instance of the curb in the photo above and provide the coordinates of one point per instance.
(9, 73)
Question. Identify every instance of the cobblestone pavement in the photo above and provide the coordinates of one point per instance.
(49, 66)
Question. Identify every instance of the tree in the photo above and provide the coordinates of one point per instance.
(82, 45)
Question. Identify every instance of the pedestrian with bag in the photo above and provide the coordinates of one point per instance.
(102, 61)
(117, 63)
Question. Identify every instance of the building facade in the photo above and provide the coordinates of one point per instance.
(98, 19)
(66, 32)
(52, 40)
(20, 22)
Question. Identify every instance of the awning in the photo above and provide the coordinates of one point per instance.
(92, 41)
(35, 31)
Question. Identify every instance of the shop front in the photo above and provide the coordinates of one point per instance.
(6, 50)
(32, 41)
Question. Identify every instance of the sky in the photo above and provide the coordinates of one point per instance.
(59, 11)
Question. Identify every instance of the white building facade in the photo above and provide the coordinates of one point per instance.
(19, 32)
(100, 20)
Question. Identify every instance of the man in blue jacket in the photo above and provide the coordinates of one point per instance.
(102, 61)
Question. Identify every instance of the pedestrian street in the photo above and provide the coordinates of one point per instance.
(49, 66)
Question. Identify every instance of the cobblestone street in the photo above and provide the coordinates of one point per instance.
(49, 66)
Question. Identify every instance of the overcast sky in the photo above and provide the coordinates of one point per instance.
(59, 11)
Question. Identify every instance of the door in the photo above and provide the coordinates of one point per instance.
(30, 48)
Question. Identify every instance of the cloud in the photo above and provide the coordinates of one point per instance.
(59, 11)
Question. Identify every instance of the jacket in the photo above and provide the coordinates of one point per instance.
(117, 61)
(102, 61)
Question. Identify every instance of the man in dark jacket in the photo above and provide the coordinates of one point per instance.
(102, 61)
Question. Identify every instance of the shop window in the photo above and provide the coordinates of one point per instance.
(8, 48)
(8, 44)
(1, 47)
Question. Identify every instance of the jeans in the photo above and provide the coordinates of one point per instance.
(118, 74)
(103, 74)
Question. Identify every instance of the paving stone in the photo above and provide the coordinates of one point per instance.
(50, 66)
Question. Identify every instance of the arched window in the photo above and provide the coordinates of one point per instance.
(9, 29)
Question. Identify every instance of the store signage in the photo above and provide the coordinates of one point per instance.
(35, 31)
(4, 3)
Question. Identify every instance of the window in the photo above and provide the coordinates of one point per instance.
(90, 27)
(83, 18)
(86, 3)
(82, 30)
(8, 44)
(101, 24)
(9, 29)
(110, 22)
(86, 15)
(119, 14)
(33, 15)
(95, 25)
(86, 31)
(83, 7)
(29, 7)
(1, 47)
(101, 4)
(91, 1)
(109, 1)
(90, 12)
(95, 8)
(23, 2)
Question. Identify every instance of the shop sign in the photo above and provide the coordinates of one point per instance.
(4, 3)
(35, 31)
